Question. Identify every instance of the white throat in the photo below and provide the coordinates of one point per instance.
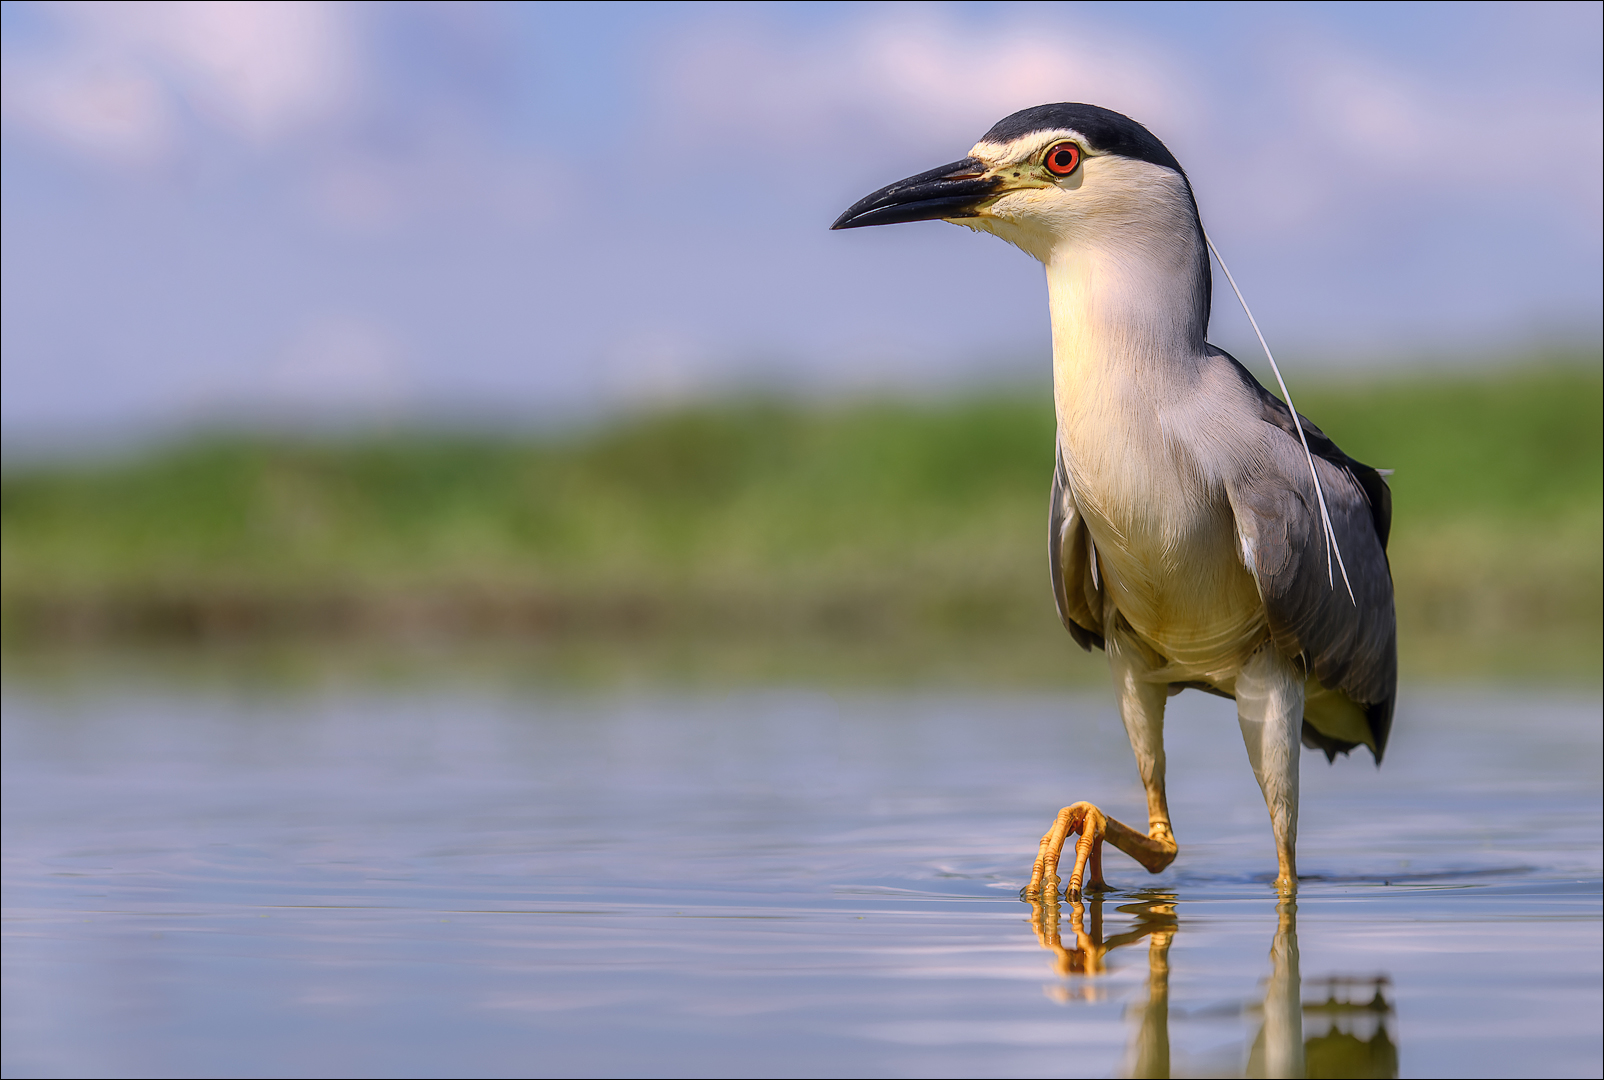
(1122, 318)
(1124, 297)
(1126, 272)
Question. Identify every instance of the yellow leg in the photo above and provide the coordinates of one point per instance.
(1141, 707)
(1269, 703)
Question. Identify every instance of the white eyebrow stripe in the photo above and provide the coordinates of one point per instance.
(1026, 146)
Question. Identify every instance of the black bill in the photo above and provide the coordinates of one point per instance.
(948, 192)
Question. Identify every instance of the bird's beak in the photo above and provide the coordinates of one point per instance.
(952, 191)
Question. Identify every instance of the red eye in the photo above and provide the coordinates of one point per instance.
(1062, 159)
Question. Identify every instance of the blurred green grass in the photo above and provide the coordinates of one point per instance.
(774, 538)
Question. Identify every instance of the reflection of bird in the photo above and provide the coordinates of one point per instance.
(1149, 1053)
(1200, 534)
(1347, 1034)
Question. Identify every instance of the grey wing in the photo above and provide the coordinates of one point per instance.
(1073, 558)
(1350, 642)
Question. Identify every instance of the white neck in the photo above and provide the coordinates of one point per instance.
(1125, 315)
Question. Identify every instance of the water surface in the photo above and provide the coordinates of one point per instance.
(466, 882)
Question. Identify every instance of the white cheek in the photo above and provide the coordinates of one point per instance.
(1033, 220)
(1028, 204)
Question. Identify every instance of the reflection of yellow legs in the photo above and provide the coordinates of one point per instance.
(1353, 1037)
(1149, 1053)
(1155, 915)
(1155, 919)
(1086, 958)
(1278, 1050)
(1283, 1048)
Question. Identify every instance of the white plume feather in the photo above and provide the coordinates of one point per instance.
(1325, 515)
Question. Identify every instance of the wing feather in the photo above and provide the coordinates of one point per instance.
(1076, 588)
(1349, 644)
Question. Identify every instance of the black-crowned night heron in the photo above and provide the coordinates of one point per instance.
(1197, 535)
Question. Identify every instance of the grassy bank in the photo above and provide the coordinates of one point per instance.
(873, 533)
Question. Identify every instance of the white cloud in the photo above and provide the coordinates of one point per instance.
(910, 81)
(262, 70)
(1356, 106)
(1359, 135)
(122, 75)
(551, 206)
(1346, 129)
(97, 104)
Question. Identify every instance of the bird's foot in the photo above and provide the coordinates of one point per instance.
(1088, 821)
(1286, 882)
(1154, 852)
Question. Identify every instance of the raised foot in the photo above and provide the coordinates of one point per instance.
(1154, 852)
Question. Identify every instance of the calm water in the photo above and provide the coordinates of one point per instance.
(460, 882)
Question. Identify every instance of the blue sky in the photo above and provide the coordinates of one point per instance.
(539, 211)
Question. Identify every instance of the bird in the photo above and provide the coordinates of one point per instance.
(1202, 533)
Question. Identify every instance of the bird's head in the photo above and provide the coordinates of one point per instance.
(1049, 176)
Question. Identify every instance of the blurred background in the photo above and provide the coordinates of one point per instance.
(354, 332)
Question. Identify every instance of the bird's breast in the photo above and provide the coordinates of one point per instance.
(1165, 536)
